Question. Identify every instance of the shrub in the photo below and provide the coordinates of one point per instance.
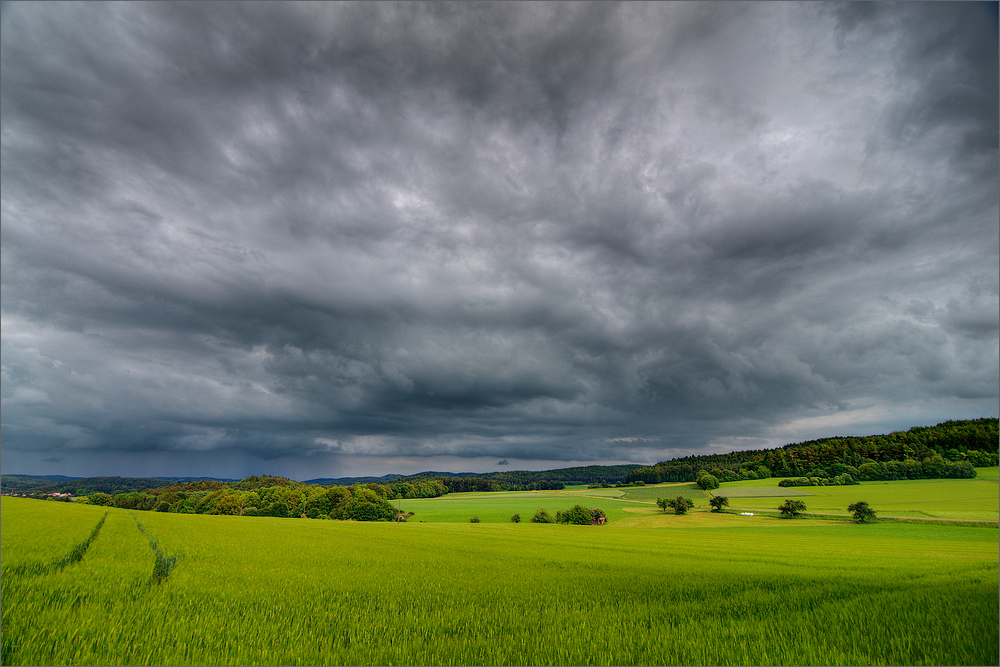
(541, 516)
(516, 518)
(474, 519)
(579, 515)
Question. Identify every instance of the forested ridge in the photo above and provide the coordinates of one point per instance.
(951, 449)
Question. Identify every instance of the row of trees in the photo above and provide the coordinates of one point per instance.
(950, 449)
(578, 515)
(790, 508)
(838, 480)
(680, 504)
(283, 498)
(616, 485)
(860, 510)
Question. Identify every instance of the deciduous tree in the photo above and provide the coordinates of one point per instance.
(862, 512)
(792, 508)
(708, 482)
(718, 502)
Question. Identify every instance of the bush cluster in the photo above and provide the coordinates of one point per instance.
(580, 516)
(838, 480)
(542, 516)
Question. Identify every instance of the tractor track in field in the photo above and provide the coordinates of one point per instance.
(163, 564)
(75, 555)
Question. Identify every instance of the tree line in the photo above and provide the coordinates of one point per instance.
(277, 497)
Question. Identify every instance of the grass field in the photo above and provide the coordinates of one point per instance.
(649, 588)
(499, 507)
(965, 499)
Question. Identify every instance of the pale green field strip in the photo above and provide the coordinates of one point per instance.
(499, 507)
(988, 474)
(651, 493)
(967, 499)
(770, 492)
(652, 589)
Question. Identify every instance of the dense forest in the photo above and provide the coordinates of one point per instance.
(950, 449)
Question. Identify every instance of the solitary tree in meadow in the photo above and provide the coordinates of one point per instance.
(862, 513)
(718, 502)
(792, 508)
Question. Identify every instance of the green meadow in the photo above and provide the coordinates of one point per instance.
(648, 588)
(499, 507)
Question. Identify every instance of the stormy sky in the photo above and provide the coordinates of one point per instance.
(319, 240)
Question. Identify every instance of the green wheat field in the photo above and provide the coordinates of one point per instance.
(89, 585)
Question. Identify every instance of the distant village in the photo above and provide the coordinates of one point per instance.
(54, 496)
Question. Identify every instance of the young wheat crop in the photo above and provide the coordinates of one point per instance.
(256, 590)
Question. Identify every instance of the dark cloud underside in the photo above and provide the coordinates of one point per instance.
(282, 232)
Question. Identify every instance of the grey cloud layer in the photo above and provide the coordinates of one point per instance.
(536, 231)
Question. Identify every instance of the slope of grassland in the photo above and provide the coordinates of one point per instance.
(650, 588)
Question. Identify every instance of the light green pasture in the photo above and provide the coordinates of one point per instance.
(671, 490)
(500, 506)
(967, 499)
(698, 589)
(988, 474)
(764, 492)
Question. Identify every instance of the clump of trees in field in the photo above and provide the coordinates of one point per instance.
(680, 504)
(581, 516)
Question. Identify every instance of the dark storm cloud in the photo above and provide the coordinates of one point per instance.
(533, 232)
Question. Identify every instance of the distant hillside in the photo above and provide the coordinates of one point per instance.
(580, 474)
(82, 486)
